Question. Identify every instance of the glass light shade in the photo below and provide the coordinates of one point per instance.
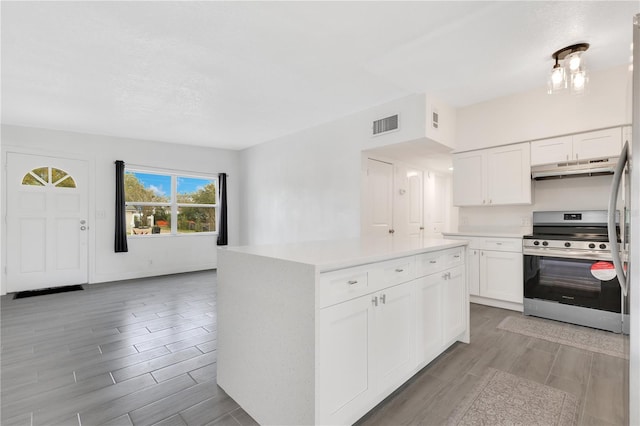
(579, 82)
(557, 80)
(574, 62)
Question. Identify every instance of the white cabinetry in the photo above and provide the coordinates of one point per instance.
(442, 302)
(493, 176)
(494, 270)
(320, 333)
(501, 275)
(371, 344)
(368, 347)
(583, 146)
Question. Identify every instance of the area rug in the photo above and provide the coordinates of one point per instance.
(579, 337)
(504, 399)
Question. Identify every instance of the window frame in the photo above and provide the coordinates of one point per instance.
(173, 200)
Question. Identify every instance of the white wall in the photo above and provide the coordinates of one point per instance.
(166, 254)
(306, 186)
(535, 114)
(302, 187)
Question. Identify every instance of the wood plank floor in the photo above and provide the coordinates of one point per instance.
(143, 352)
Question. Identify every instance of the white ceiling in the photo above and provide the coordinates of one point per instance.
(234, 74)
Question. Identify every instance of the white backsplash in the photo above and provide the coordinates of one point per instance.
(580, 193)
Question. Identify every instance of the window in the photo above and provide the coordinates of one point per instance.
(48, 176)
(162, 203)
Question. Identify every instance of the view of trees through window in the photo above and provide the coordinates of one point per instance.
(155, 202)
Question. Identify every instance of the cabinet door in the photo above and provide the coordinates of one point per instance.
(598, 144)
(429, 331)
(345, 382)
(468, 179)
(454, 302)
(501, 275)
(395, 335)
(509, 175)
(549, 151)
(474, 272)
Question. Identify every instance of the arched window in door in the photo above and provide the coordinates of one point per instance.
(49, 176)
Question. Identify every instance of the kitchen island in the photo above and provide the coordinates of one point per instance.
(321, 332)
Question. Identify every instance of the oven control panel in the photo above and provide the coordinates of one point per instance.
(559, 244)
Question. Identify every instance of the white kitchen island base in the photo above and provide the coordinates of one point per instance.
(319, 333)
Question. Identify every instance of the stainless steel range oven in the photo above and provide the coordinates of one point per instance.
(568, 270)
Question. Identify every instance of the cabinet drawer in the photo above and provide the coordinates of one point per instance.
(344, 284)
(392, 272)
(429, 263)
(503, 244)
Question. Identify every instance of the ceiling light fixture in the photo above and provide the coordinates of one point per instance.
(571, 72)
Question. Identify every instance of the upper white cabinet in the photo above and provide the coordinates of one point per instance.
(493, 176)
(583, 146)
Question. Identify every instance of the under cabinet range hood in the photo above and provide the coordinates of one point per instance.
(602, 166)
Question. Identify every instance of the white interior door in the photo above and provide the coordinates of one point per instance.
(409, 205)
(436, 204)
(47, 206)
(378, 199)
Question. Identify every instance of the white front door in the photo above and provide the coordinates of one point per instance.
(47, 207)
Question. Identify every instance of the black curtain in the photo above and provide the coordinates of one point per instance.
(121, 215)
(222, 226)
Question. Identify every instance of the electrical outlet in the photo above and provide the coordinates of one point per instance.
(101, 214)
(464, 220)
(526, 221)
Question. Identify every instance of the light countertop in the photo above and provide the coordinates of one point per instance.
(485, 234)
(330, 255)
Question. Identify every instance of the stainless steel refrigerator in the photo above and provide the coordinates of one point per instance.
(627, 256)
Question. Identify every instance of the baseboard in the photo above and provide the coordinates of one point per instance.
(496, 303)
(131, 275)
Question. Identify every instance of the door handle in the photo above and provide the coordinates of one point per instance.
(374, 300)
(82, 228)
(383, 299)
(352, 282)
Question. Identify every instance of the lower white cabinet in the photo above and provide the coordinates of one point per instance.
(304, 344)
(474, 271)
(455, 303)
(501, 275)
(442, 312)
(494, 270)
(371, 344)
(368, 348)
(346, 384)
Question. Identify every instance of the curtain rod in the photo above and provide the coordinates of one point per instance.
(165, 169)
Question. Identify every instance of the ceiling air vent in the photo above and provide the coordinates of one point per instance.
(385, 124)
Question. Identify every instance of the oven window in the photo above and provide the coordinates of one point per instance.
(569, 281)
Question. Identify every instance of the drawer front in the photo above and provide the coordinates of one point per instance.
(392, 272)
(430, 263)
(503, 244)
(453, 257)
(344, 284)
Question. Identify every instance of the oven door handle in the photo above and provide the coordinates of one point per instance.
(567, 254)
(611, 224)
